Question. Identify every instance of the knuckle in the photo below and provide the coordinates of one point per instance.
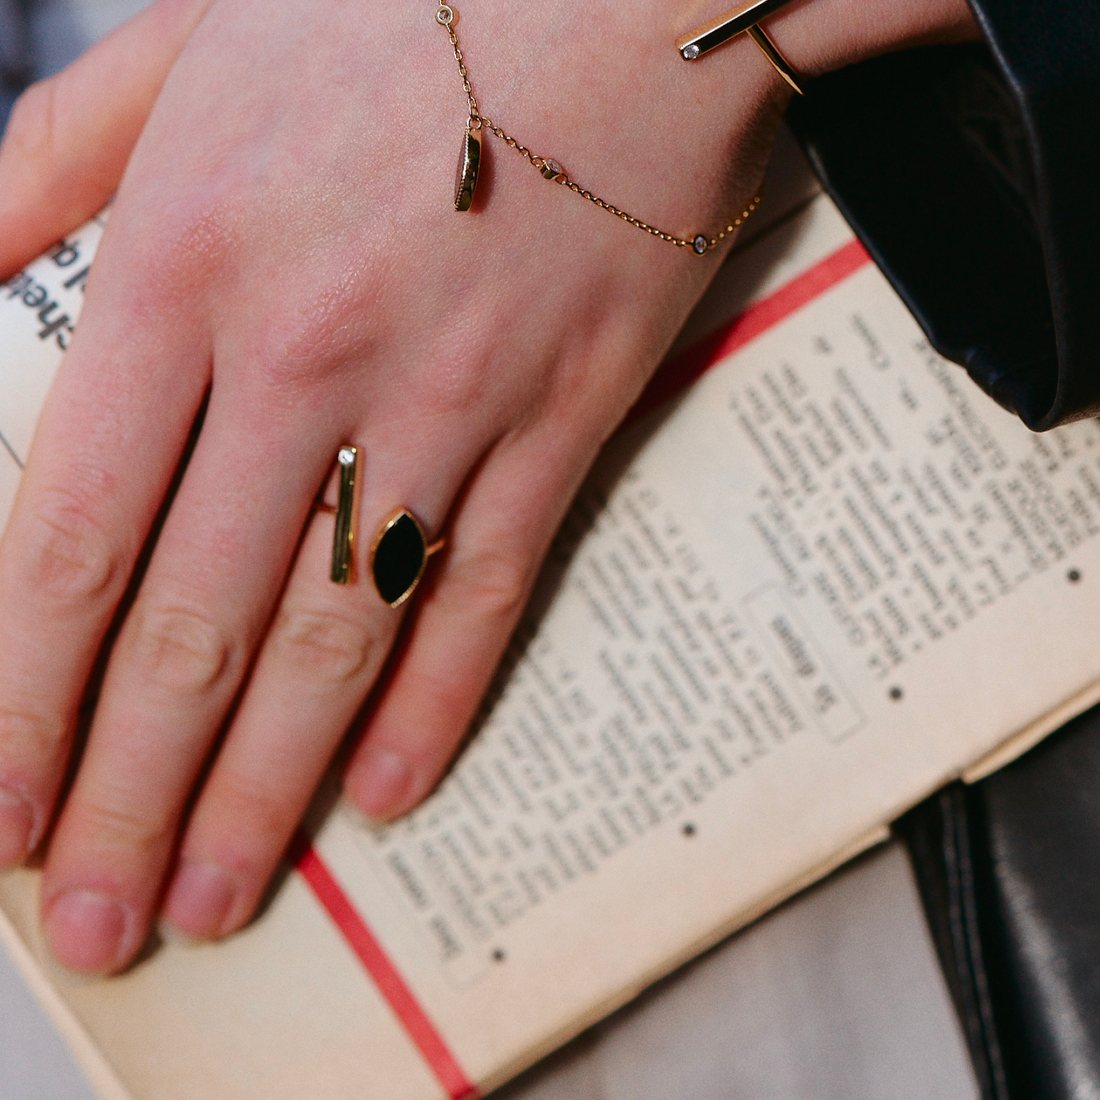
(30, 133)
(457, 383)
(261, 818)
(121, 822)
(68, 556)
(295, 362)
(325, 648)
(27, 733)
(188, 249)
(324, 335)
(199, 237)
(29, 742)
(181, 650)
(300, 360)
(491, 585)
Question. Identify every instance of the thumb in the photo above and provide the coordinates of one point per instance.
(70, 136)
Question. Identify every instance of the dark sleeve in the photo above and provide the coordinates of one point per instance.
(15, 68)
(972, 175)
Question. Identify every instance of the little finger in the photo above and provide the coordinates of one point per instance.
(462, 624)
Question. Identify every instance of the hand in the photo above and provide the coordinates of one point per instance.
(283, 255)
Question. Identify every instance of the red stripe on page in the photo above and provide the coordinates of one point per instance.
(679, 373)
(671, 379)
(383, 973)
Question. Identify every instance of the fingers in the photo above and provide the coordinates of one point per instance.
(462, 624)
(70, 136)
(322, 653)
(321, 656)
(93, 484)
(180, 660)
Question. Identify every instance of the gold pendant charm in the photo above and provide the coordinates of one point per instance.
(469, 161)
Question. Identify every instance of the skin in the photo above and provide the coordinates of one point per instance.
(283, 246)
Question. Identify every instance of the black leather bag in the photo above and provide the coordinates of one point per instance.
(1009, 871)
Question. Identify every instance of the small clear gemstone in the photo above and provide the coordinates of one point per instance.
(699, 244)
(554, 167)
(346, 456)
(690, 53)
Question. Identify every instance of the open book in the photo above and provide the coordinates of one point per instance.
(792, 600)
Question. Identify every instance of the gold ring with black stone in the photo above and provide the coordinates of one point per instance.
(399, 555)
(400, 550)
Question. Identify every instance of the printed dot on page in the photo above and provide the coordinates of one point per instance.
(1073, 576)
(896, 694)
(688, 829)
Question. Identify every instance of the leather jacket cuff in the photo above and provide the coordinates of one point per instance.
(972, 175)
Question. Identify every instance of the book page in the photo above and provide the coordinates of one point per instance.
(834, 576)
(787, 605)
(39, 307)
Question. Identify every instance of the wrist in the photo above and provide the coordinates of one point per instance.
(604, 93)
(819, 36)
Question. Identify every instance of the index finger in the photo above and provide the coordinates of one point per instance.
(70, 136)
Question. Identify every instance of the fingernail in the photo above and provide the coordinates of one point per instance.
(16, 824)
(199, 900)
(85, 930)
(383, 783)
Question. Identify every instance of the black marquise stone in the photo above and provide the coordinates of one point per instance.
(398, 559)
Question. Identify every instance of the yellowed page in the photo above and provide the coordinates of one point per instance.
(828, 579)
(38, 311)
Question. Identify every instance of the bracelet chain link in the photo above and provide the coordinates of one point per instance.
(551, 170)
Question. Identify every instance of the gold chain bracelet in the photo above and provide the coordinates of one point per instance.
(470, 161)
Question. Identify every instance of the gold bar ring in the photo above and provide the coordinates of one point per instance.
(347, 516)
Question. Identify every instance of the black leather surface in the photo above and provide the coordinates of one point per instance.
(973, 177)
(1010, 874)
(938, 835)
